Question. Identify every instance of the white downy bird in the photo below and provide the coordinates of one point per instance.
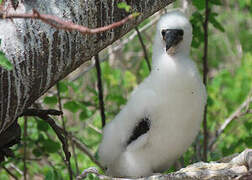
(164, 113)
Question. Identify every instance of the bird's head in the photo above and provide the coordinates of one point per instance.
(174, 33)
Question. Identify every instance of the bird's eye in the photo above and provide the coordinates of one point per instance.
(163, 32)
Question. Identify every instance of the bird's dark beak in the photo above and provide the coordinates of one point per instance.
(172, 37)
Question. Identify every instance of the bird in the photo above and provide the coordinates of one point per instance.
(163, 113)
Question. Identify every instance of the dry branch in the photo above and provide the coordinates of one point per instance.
(205, 72)
(58, 23)
(237, 168)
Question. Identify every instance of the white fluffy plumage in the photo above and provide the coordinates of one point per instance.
(171, 99)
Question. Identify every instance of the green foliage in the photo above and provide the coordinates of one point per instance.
(4, 62)
(124, 5)
(229, 84)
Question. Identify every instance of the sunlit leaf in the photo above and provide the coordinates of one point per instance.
(50, 100)
(215, 23)
(42, 125)
(63, 87)
(199, 4)
(124, 5)
(71, 106)
(51, 146)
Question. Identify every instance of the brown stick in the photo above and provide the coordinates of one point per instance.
(25, 148)
(205, 71)
(144, 49)
(58, 23)
(10, 173)
(68, 163)
(100, 89)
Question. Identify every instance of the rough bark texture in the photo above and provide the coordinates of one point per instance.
(42, 55)
(240, 167)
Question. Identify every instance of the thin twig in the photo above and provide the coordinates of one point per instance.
(10, 173)
(205, 72)
(85, 149)
(44, 115)
(58, 23)
(24, 140)
(68, 163)
(100, 89)
(16, 168)
(94, 128)
(235, 115)
(59, 130)
(144, 49)
(41, 112)
(60, 106)
(75, 157)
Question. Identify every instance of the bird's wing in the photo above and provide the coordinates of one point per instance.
(128, 129)
(139, 135)
(139, 108)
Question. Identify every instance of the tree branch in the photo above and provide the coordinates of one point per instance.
(144, 49)
(205, 72)
(44, 115)
(10, 173)
(58, 23)
(100, 89)
(68, 163)
(237, 168)
(25, 148)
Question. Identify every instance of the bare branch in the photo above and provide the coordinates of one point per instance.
(68, 163)
(58, 23)
(10, 173)
(25, 145)
(85, 149)
(205, 72)
(100, 89)
(41, 112)
(144, 49)
(235, 169)
(75, 157)
(44, 115)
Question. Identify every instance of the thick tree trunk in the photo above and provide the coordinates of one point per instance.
(42, 55)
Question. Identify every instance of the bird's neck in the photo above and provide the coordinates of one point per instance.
(163, 60)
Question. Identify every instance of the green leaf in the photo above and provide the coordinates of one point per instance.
(51, 146)
(63, 87)
(135, 14)
(71, 106)
(42, 125)
(49, 175)
(85, 114)
(216, 2)
(210, 101)
(248, 142)
(124, 5)
(199, 4)
(51, 100)
(215, 23)
(37, 152)
(4, 62)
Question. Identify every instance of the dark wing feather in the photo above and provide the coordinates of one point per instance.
(141, 128)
